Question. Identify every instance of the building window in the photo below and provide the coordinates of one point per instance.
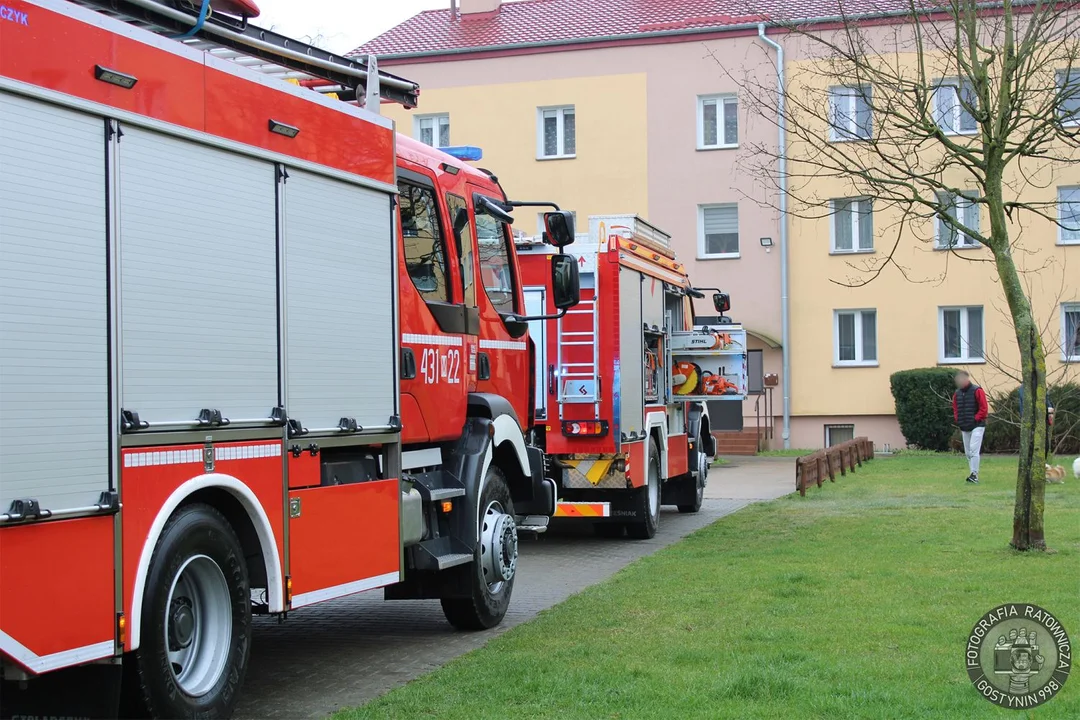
(1070, 332)
(853, 225)
(425, 249)
(954, 101)
(432, 130)
(850, 113)
(961, 335)
(718, 231)
(1069, 215)
(836, 434)
(856, 337)
(556, 131)
(540, 223)
(964, 209)
(718, 122)
(1068, 85)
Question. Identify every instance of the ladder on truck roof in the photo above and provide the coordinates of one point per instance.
(231, 38)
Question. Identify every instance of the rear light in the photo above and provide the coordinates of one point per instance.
(585, 428)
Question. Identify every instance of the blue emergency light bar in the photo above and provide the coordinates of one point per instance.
(464, 152)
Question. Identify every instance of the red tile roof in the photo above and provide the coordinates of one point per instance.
(543, 22)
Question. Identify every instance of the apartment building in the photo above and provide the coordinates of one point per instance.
(615, 106)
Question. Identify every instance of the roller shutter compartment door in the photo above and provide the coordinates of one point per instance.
(198, 275)
(631, 352)
(54, 424)
(339, 271)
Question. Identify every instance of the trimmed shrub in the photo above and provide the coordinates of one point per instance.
(924, 406)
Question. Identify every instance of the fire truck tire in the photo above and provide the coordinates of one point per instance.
(494, 563)
(196, 621)
(698, 480)
(648, 499)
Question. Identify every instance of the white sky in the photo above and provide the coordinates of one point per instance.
(338, 25)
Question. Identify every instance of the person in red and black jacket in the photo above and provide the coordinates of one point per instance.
(970, 410)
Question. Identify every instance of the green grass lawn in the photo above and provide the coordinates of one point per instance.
(854, 602)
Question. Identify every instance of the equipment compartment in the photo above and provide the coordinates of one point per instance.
(709, 364)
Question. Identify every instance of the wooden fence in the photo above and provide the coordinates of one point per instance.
(812, 469)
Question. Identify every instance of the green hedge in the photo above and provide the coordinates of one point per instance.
(1003, 425)
(924, 406)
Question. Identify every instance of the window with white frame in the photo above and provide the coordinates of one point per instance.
(836, 434)
(964, 209)
(432, 130)
(556, 132)
(850, 113)
(718, 231)
(961, 334)
(853, 225)
(1070, 332)
(1069, 215)
(855, 337)
(540, 223)
(1068, 85)
(954, 101)
(718, 122)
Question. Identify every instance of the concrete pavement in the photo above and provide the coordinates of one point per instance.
(346, 652)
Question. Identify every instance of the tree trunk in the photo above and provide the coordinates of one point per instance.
(1031, 473)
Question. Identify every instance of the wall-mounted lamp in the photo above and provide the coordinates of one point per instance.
(766, 242)
(282, 129)
(114, 77)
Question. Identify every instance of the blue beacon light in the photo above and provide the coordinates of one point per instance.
(463, 152)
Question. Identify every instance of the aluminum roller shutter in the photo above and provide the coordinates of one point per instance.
(54, 422)
(339, 271)
(198, 275)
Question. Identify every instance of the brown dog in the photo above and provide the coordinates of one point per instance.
(1055, 474)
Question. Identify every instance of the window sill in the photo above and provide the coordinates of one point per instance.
(958, 248)
(846, 364)
(705, 148)
(556, 157)
(961, 361)
(852, 252)
(1066, 243)
(850, 139)
(1070, 359)
(720, 256)
(960, 133)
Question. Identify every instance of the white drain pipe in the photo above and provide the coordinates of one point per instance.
(785, 322)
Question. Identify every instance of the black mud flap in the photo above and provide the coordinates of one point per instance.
(89, 691)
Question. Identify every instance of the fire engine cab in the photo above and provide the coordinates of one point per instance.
(627, 377)
(256, 352)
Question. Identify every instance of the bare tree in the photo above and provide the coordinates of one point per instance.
(938, 112)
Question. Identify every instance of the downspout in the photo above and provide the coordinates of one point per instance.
(785, 320)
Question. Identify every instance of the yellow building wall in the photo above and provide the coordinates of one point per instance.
(907, 307)
(609, 174)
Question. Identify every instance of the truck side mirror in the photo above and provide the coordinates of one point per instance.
(722, 302)
(461, 221)
(560, 227)
(565, 282)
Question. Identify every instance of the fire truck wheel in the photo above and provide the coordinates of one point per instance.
(494, 561)
(648, 499)
(698, 478)
(196, 622)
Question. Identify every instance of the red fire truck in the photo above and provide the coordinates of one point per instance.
(228, 383)
(627, 378)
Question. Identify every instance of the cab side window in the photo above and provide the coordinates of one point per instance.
(456, 204)
(425, 246)
(496, 270)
